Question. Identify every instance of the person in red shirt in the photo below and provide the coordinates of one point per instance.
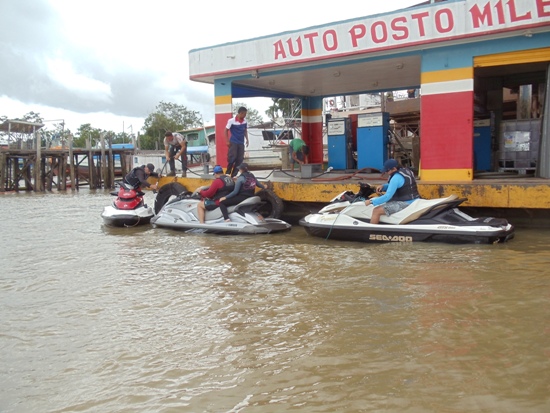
(210, 196)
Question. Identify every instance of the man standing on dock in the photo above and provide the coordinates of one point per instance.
(238, 127)
(175, 147)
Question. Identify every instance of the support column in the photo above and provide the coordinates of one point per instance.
(312, 127)
(223, 112)
(446, 123)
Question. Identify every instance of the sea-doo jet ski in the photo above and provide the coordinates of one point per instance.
(128, 209)
(347, 217)
(180, 212)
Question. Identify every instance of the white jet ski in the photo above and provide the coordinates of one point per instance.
(427, 220)
(179, 211)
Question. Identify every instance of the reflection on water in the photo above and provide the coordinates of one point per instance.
(143, 319)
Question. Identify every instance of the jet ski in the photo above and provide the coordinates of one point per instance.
(128, 209)
(347, 217)
(179, 212)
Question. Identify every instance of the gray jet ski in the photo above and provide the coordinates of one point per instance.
(179, 212)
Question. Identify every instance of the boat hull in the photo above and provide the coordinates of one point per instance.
(113, 217)
(379, 233)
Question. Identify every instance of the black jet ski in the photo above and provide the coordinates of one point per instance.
(176, 208)
(347, 217)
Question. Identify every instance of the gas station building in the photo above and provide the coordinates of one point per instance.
(464, 57)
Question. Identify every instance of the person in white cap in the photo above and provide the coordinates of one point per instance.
(400, 191)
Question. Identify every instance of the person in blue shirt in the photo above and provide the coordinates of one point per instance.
(400, 191)
(237, 127)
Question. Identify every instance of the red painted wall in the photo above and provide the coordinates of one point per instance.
(446, 130)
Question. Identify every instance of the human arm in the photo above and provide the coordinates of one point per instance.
(140, 174)
(226, 133)
(212, 189)
(260, 185)
(396, 182)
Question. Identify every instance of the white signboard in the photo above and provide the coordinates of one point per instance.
(417, 26)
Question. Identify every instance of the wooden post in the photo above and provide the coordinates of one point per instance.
(38, 181)
(3, 172)
(111, 182)
(74, 183)
(90, 165)
(103, 160)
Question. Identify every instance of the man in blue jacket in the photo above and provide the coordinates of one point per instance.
(400, 191)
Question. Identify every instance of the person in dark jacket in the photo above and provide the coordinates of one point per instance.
(137, 177)
(400, 191)
(221, 186)
(245, 186)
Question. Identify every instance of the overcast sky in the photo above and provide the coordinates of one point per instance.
(110, 62)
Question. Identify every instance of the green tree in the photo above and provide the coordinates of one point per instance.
(84, 133)
(168, 117)
(285, 108)
(253, 117)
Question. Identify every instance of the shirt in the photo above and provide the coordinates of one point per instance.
(237, 129)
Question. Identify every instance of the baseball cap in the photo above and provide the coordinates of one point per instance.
(389, 164)
(218, 169)
(243, 166)
(151, 167)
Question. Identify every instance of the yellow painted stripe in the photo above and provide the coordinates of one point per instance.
(312, 112)
(438, 175)
(223, 100)
(447, 75)
(522, 56)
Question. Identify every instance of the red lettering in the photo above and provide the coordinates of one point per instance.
(291, 48)
(541, 5)
(419, 17)
(374, 32)
(513, 14)
(396, 27)
(448, 20)
(479, 18)
(500, 12)
(357, 32)
(310, 38)
(330, 35)
(279, 50)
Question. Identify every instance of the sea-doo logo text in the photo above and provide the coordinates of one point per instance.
(394, 238)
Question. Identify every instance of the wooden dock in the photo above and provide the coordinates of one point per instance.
(46, 170)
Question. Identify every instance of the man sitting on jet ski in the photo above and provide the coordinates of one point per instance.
(137, 177)
(221, 186)
(400, 191)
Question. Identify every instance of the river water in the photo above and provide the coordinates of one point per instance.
(152, 320)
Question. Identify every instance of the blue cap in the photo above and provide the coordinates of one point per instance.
(218, 169)
(389, 164)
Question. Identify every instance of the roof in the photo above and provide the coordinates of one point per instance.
(20, 126)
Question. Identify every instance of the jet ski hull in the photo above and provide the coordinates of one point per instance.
(113, 217)
(180, 213)
(424, 220)
(379, 233)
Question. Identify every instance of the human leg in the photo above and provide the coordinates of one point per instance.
(377, 212)
(183, 159)
(201, 211)
(239, 158)
(230, 202)
(172, 152)
(231, 159)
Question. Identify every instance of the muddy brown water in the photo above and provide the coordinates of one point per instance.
(152, 320)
